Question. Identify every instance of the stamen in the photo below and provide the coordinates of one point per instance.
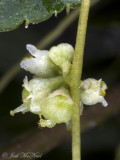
(40, 116)
(42, 123)
(103, 93)
(74, 104)
(25, 100)
(25, 58)
(23, 112)
(12, 113)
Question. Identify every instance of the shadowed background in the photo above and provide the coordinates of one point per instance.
(100, 126)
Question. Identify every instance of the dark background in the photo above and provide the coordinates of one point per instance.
(101, 60)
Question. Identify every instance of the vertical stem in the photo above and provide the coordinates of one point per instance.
(75, 76)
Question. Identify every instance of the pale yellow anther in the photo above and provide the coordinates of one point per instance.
(23, 112)
(106, 88)
(74, 104)
(12, 113)
(25, 100)
(102, 93)
(23, 85)
(27, 58)
(40, 116)
(42, 123)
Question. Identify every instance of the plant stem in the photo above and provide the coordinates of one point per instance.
(75, 76)
(117, 155)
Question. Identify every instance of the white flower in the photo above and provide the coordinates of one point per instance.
(92, 91)
(35, 91)
(40, 65)
(49, 63)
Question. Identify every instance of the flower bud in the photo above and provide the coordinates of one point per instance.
(57, 107)
(62, 56)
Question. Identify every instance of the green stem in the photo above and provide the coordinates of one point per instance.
(117, 155)
(75, 76)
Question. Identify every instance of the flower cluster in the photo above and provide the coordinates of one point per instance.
(47, 94)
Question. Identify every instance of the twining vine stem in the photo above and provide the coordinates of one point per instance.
(75, 76)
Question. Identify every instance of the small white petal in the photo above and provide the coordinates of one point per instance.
(21, 108)
(32, 49)
(25, 81)
(30, 96)
(42, 66)
(34, 65)
(104, 103)
(36, 52)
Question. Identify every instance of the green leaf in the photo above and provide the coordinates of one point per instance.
(14, 12)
